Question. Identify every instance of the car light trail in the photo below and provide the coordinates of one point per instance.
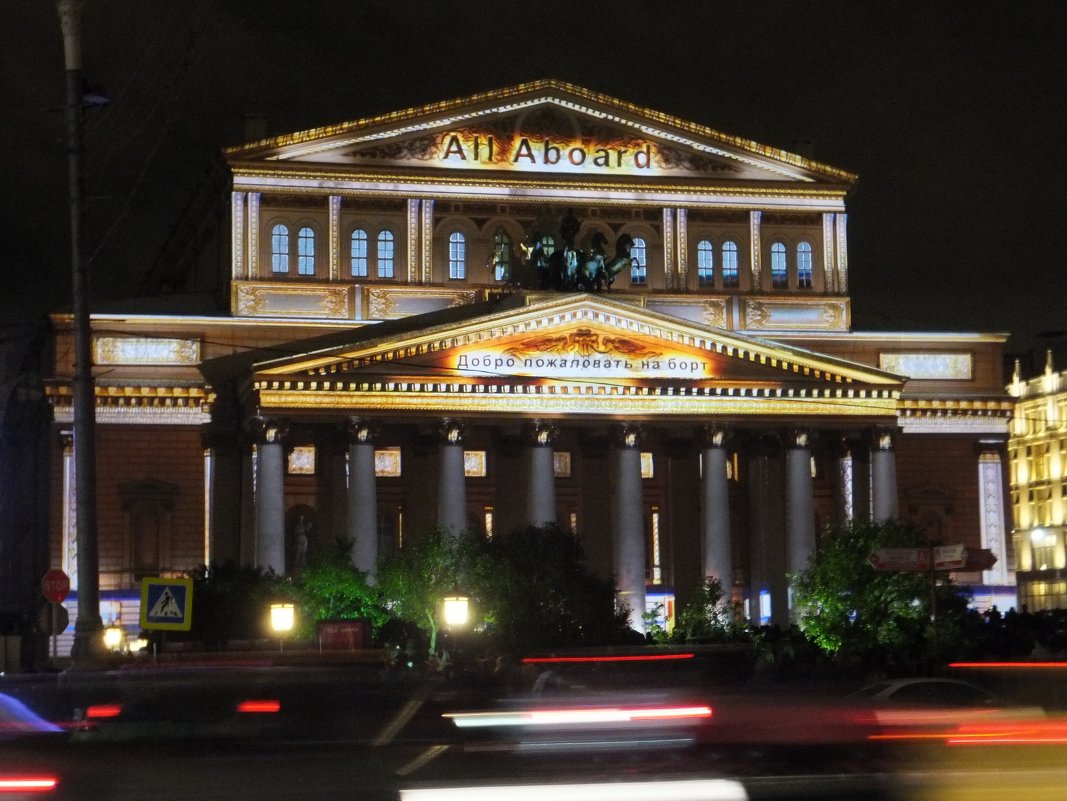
(260, 707)
(27, 784)
(558, 717)
(687, 790)
(103, 711)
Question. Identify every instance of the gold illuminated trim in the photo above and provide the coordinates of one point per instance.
(269, 300)
(939, 407)
(133, 350)
(246, 177)
(118, 395)
(533, 88)
(554, 400)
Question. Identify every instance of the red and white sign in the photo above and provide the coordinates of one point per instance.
(950, 557)
(55, 585)
(900, 559)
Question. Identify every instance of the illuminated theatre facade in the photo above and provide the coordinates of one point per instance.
(396, 357)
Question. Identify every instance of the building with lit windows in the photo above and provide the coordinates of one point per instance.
(1038, 450)
(539, 304)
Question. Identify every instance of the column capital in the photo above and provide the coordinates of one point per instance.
(268, 429)
(884, 439)
(799, 438)
(629, 435)
(360, 430)
(542, 434)
(451, 431)
(713, 435)
(66, 439)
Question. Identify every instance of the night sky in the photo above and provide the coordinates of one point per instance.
(953, 114)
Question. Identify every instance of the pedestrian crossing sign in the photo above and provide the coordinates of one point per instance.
(167, 604)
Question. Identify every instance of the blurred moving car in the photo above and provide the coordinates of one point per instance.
(928, 701)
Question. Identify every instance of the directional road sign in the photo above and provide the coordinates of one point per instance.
(950, 557)
(167, 604)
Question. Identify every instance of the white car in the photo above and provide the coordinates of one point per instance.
(929, 701)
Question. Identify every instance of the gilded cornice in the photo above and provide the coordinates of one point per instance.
(532, 90)
(552, 400)
(129, 404)
(264, 178)
(956, 407)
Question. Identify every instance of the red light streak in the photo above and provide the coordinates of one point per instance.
(536, 660)
(259, 706)
(27, 784)
(103, 711)
(1008, 664)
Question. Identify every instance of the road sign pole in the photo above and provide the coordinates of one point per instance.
(55, 637)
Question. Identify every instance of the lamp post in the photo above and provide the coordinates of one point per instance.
(87, 640)
(282, 621)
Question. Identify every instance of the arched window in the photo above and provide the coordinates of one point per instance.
(386, 250)
(360, 258)
(730, 274)
(705, 263)
(457, 256)
(804, 265)
(779, 276)
(501, 255)
(639, 267)
(279, 249)
(305, 249)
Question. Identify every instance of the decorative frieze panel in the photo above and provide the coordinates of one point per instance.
(786, 314)
(932, 366)
(385, 303)
(293, 300)
(146, 350)
(705, 311)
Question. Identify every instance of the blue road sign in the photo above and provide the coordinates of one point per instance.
(167, 604)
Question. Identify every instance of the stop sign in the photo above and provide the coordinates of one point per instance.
(55, 585)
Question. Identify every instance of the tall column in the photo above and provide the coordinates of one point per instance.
(362, 519)
(426, 240)
(335, 237)
(451, 481)
(754, 256)
(541, 494)
(829, 247)
(238, 235)
(841, 224)
(668, 249)
(715, 509)
(884, 477)
(682, 249)
(269, 494)
(800, 514)
(252, 223)
(70, 507)
(630, 526)
(993, 517)
(413, 238)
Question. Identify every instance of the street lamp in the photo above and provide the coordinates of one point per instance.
(455, 609)
(282, 620)
(113, 637)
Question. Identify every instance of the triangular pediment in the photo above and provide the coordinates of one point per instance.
(575, 339)
(546, 127)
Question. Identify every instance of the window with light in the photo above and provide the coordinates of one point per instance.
(705, 263)
(730, 273)
(804, 270)
(779, 275)
(279, 249)
(457, 256)
(360, 254)
(386, 254)
(639, 267)
(305, 250)
(502, 254)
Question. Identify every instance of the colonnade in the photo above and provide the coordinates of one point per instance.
(781, 502)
